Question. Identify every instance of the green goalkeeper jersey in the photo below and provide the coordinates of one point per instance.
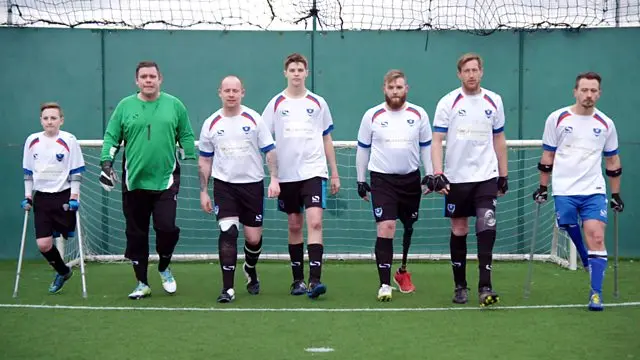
(150, 131)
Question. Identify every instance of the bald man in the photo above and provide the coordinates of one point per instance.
(232, 141)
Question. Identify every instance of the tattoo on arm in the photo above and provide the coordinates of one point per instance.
(204, 181)
(204, 172)
(272, 164)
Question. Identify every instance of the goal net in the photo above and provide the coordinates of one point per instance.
(349, 226)
(477, 16)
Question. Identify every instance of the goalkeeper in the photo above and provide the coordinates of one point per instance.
(150, 123)
(53, 166)
(393, 137)
(574, 140)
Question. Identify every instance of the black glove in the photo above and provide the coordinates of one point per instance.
(363, 188)
(616, 203)
(428, 181)
(540, 195)
(108, 177)
(503, 185)
(440, 182)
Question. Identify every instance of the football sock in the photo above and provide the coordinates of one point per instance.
(597, 267)
(458, 248)
(296, 254)
(55, 260)
(486, 240)
(315, 252)
(384, 258)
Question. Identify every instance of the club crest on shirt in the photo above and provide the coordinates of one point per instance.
(411, 122)
(246, 129)
(597, 132)
(310, 111)
(59, 157)
(488, 112)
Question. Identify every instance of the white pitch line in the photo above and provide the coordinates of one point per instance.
(319, 350)
(328, 310)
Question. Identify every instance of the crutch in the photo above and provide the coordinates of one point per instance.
(81, 251)
(24, 237)
(527, 285)
(615, 255)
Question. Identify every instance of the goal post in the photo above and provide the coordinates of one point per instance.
(349, 227)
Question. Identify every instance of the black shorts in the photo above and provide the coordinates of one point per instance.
(396, 196)
(245, 201)
(299, 195)
(50, 217)
(465, 198)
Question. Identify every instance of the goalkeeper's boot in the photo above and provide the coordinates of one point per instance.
(58, 282)
(141, 291)
(298, 288)
(403, 280)
(226, 296)
(595, 301)
(487, 296)
(168, 282)
(384, 293)
(460, 294)
(316, 289)
(253, 284)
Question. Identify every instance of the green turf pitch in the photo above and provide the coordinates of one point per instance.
(348, 320)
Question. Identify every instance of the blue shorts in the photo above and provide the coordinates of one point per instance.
(588, 207)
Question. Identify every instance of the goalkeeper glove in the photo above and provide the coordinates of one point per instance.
(616, 203)
(108, 177)
(540, 195)
(363, 188)
(26, 204)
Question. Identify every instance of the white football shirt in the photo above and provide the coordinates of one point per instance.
(299, 126)
(579, 142)
(395, 138)
(52, 160)
(470, 122)
(235, 144)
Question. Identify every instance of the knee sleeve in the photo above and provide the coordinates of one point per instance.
(166, 241)
(485, 220)
(230, 227)
(227, 242)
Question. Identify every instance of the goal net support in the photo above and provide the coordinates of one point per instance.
(349, 226)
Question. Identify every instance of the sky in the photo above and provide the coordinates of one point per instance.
(282, 15)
